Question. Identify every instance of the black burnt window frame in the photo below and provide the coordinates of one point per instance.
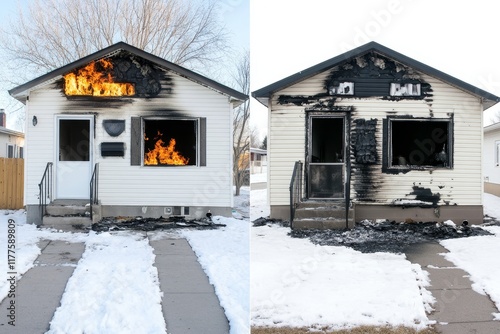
(418, 147)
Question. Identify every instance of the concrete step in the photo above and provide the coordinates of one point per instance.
(67, 210)
(322, 223)
(323, 212)
(67, 223)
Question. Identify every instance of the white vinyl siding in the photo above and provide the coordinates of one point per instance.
(460, 185)
(491, 156)
(123, 184)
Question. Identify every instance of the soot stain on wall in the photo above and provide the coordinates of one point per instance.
(426, 195)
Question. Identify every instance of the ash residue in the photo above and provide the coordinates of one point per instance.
(385, 236)
(266, 221)
(151, 224)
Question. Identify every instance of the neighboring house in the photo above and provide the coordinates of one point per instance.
(158, 136)
(491, 159)
(11, 142)
(380, 136)
(258, 160)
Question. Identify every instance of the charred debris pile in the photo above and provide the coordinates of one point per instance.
(384, 236)
(152, 224)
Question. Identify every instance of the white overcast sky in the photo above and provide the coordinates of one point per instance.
(459, 38)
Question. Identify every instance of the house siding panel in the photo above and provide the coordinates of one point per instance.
(123, 184)
(460, 185)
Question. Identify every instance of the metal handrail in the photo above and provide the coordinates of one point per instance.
(94, 188)
(295, 189)
(45, 190)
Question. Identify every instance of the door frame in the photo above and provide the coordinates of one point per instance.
(57, 118)
(346, 154)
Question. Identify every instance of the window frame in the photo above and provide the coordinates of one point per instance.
(497, 153)
(388, 147)
(197, 140)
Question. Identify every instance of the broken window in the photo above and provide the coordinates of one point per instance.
(405, 89)
(420, 143)
(170, 142)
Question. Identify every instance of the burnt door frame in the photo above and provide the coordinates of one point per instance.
(310, 159)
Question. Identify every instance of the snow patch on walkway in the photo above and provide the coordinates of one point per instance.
(114, 289)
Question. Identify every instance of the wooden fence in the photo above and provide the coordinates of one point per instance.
(11, 183)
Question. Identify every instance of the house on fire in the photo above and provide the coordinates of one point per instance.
(374, 134)
(131, 132)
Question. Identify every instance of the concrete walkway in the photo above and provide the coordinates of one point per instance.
(458, 308)
(39, 291)
(190, 304)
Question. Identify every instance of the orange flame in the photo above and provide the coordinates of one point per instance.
(90, 81)
(164, 155)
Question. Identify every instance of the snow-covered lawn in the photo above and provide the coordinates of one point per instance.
(297, 284)
(114, 263)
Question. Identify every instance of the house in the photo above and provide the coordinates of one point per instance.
(11, 142)
(144, 136)
(491, 159)
(258, 160)
(374, 134)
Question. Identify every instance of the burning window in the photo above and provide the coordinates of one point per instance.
(420, 143)
(96, 79)
(170, 142)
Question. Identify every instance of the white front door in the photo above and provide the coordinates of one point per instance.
(73, 157)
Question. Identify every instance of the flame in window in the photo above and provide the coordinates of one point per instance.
(164, 154)
(95, 79)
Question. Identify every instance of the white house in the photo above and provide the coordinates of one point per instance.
(378, 135)
(11, 142)
(491, 159)
(154, 138)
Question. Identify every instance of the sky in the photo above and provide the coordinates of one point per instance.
(455, 37)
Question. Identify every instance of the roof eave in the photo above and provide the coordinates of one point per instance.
(22, 91)
(267, 91)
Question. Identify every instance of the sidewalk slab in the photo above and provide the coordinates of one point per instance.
(190, 304)
(40, 289)
(458, 308)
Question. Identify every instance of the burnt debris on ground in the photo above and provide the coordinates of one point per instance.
(151, 224)
(384, 236)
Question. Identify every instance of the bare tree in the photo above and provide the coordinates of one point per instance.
(52, 33)
(241, 133)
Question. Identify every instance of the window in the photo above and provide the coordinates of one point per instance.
(21, 152)
(497, 152)
(405, 89)
(170, 142)
(10, 151)
(419, 143)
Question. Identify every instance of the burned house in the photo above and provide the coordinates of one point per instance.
(130, 132)
(374, 134)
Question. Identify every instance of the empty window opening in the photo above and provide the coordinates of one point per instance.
(170, 142)
(420, 143)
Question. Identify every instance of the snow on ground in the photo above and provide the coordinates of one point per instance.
(479, 255)
(242, 203)
(258, 204)
(26, 238)
(258, 178)
(296, 283)
(224, 255)
(113, 288)
(94, 300)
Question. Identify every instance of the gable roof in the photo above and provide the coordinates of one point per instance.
(22, 91)
(263, 94)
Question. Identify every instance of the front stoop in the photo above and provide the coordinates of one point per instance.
(67, 216)
(322, 215)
